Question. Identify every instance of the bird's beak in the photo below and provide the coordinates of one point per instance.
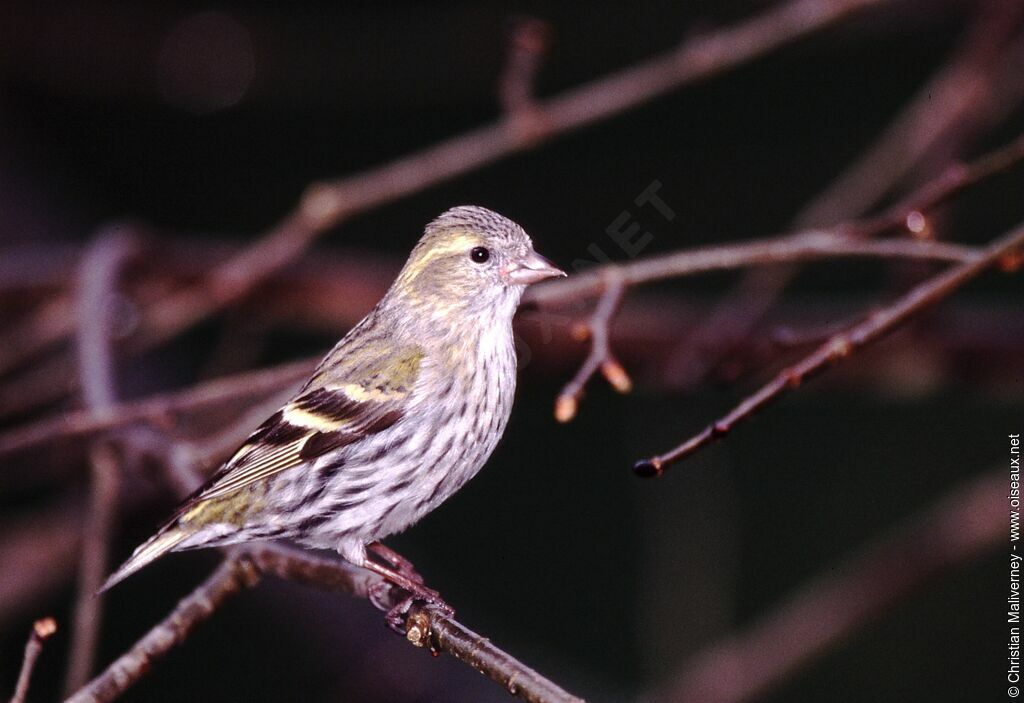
(530, 269)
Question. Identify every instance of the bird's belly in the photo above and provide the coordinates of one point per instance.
(407, 471)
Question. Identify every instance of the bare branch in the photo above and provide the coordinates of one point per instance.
(846, 597)
(843, 345)
(907, 214)
(41, 631)
(954, 100)
(811, 245)
(326, 205)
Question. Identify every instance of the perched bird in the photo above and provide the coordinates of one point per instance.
(403, 411)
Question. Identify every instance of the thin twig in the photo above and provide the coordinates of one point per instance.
(845, 598)
(41, 631)
(98, 276)
(843, 345)
(600, 358)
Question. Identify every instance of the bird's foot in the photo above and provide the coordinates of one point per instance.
(397, 562)
(397, 615)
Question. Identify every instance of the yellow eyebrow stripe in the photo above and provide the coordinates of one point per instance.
(456, 244)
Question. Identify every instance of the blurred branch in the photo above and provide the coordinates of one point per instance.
(326, 205)
(941, 117)
(41, 631)
(528, 42)
(952, 100)
(844, 598)
(36, 554)
(908, 213)
(46, 325)
(98, 277)
(160, 408)
(1003, 251)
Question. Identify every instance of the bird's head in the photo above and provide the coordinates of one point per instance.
(472, 258)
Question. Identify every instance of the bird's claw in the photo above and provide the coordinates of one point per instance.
(397, 616)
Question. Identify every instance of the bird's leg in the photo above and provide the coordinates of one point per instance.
(396, 560)
(416, 591)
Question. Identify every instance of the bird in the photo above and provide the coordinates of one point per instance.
(398, 416)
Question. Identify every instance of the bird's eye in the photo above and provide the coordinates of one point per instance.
(479, 255)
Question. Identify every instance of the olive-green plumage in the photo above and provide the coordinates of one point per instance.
(398, 416)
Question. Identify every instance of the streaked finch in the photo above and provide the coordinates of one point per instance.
(402, 412)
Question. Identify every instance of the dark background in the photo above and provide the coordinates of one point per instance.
(601, 580)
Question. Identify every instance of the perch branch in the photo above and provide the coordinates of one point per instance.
(41, 631)
(843, 345)
(845, 598)
(243, 567)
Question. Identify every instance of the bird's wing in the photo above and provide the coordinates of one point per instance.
(342, 404)
(358, 390)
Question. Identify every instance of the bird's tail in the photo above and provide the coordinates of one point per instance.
(156, 546)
